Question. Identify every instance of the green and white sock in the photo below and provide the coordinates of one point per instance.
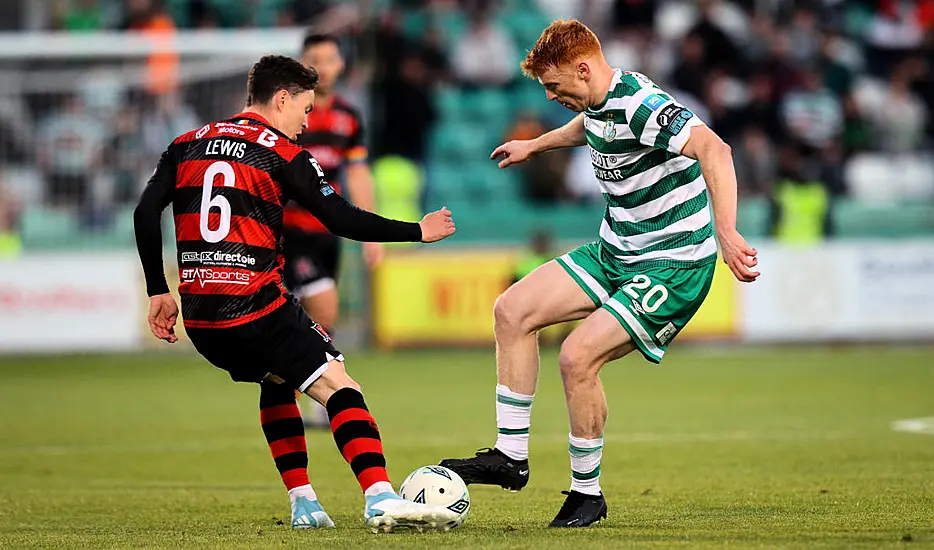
(513, 419)
(585, 464)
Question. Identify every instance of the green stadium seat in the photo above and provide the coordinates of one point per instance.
(460, 142)
(449, 104)
(525, 26)
(452, 25)
(48, 228)
(414, 24)
(529, 96)
(491, 184)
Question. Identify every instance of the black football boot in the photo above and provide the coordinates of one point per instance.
(580, 510)
(491, 467)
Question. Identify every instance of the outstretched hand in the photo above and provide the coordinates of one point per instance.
(163, 313)
(437, 225)
(739, 256)
(514, 152)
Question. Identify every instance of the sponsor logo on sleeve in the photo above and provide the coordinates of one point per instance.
(653, 101)
(673, 118)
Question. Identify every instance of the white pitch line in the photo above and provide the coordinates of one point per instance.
(915, 425)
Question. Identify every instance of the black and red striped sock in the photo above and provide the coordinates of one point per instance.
(357, 437)
(285, 432)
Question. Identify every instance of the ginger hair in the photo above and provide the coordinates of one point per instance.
(562, 42)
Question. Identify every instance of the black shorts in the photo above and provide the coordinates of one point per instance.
(285, 343)
(311, 262)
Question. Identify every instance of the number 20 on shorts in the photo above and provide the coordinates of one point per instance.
(651, 300)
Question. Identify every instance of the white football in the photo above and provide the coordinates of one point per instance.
(437, 486)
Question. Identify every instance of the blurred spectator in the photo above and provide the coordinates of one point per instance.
(71, 145)
(406, 74)
(691, 73)
(837, 76)
(408, 110)
(894, 33)
(800, 211)
(536, 254)
(780, 65)
(761, 109)
(637, 15)
(755, 161)
(811, 113)
(486, 54)
(169, 118)
(16, 130)
(542, 175)
(718, 49)
(151, 18)
(803, 34)
(897, 115)
(761, 37)
(142, 15)
(723, 97)
(127, 157)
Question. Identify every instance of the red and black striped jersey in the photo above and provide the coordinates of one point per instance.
(334, 136)
(227, 183)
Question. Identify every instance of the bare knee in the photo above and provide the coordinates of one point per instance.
(510, 316)
(333, 379)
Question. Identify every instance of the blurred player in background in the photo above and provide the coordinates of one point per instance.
(334, 136)
(635, 287)
(227, 183)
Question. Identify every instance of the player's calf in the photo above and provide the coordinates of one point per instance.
(358, 440)
(285, 434)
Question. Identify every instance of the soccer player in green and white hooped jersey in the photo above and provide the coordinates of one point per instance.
(635, 287)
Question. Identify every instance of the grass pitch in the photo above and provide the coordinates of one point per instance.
(735, 448)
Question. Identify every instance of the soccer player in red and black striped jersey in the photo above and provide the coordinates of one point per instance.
(334, 136)
(227, 183)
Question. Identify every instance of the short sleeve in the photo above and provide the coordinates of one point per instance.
(658, 120)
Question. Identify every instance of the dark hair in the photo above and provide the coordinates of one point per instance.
(316, 38)
(277, 72)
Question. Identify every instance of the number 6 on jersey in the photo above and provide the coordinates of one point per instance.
(207, 203)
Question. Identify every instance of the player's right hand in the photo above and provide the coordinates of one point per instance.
(163, 312)
(514, 152)
(437, 225)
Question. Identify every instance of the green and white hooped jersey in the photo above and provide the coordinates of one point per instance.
(657, 206)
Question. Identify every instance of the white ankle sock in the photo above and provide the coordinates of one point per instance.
(513, 419)
(379, 487)
(585, 464)
(303, 491)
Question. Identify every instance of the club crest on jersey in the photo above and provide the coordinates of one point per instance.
(609, 129)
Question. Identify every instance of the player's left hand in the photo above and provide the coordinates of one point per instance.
(372, 254)
(163, 312)
(738, 255)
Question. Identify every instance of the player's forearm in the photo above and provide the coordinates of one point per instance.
(360, 185)
(148, 228)
(716, 161)
(346, 220)
(571, 134)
